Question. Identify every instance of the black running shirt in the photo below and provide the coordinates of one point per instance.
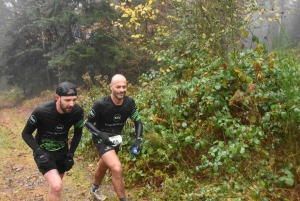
(53, 127)
(111, 118)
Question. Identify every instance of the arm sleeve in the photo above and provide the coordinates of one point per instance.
(91, 128)
(76, 139)
(91, 119)
(135, 117)
(138, 129)
(77, 134)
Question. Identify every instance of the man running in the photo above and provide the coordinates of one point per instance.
(53, 120)
(110, 114)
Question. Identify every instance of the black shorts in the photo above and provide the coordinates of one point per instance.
(56, 161)
(103, 148)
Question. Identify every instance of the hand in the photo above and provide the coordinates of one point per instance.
(41, 158)
(136, 143)
(105, 139)
(69, 161)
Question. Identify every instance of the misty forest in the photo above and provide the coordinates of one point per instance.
(216, 83)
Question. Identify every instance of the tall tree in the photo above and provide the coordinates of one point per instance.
(22, 51)
(50, 41)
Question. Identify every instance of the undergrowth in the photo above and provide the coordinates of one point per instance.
(228, 130)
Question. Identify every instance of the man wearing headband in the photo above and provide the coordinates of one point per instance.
(52, 121)
(106, 121)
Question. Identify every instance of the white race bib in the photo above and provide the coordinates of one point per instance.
(117, 139)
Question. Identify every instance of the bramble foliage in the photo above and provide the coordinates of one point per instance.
(226, 126)
(222, 130)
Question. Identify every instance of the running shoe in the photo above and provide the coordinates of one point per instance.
(97, 195)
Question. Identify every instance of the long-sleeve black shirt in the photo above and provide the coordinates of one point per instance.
(53, 127)
(111, 118)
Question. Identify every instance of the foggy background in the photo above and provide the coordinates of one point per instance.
(284, 32)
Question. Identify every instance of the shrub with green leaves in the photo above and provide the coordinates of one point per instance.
(229, 123)
(14, 95)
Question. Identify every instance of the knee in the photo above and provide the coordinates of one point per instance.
(116, 169)
(56, 188)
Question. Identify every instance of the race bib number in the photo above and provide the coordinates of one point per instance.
(117, 139)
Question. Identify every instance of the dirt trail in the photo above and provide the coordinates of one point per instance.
(20, 179)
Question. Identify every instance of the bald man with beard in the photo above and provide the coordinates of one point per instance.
(106, 121)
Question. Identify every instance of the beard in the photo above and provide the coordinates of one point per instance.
(65, 109)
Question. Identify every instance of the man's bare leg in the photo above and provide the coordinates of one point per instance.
(55, 185)
(100, 172)
(110, 160)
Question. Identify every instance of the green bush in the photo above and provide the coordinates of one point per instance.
(15, 95)
(226, 124)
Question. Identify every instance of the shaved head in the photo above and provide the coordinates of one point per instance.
(117, 78)
(118, 88)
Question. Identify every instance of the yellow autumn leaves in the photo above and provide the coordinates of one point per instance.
(259, 65)
(273, 14)
(136, 15)
(165, 71)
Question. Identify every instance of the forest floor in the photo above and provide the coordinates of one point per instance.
(20, 179)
